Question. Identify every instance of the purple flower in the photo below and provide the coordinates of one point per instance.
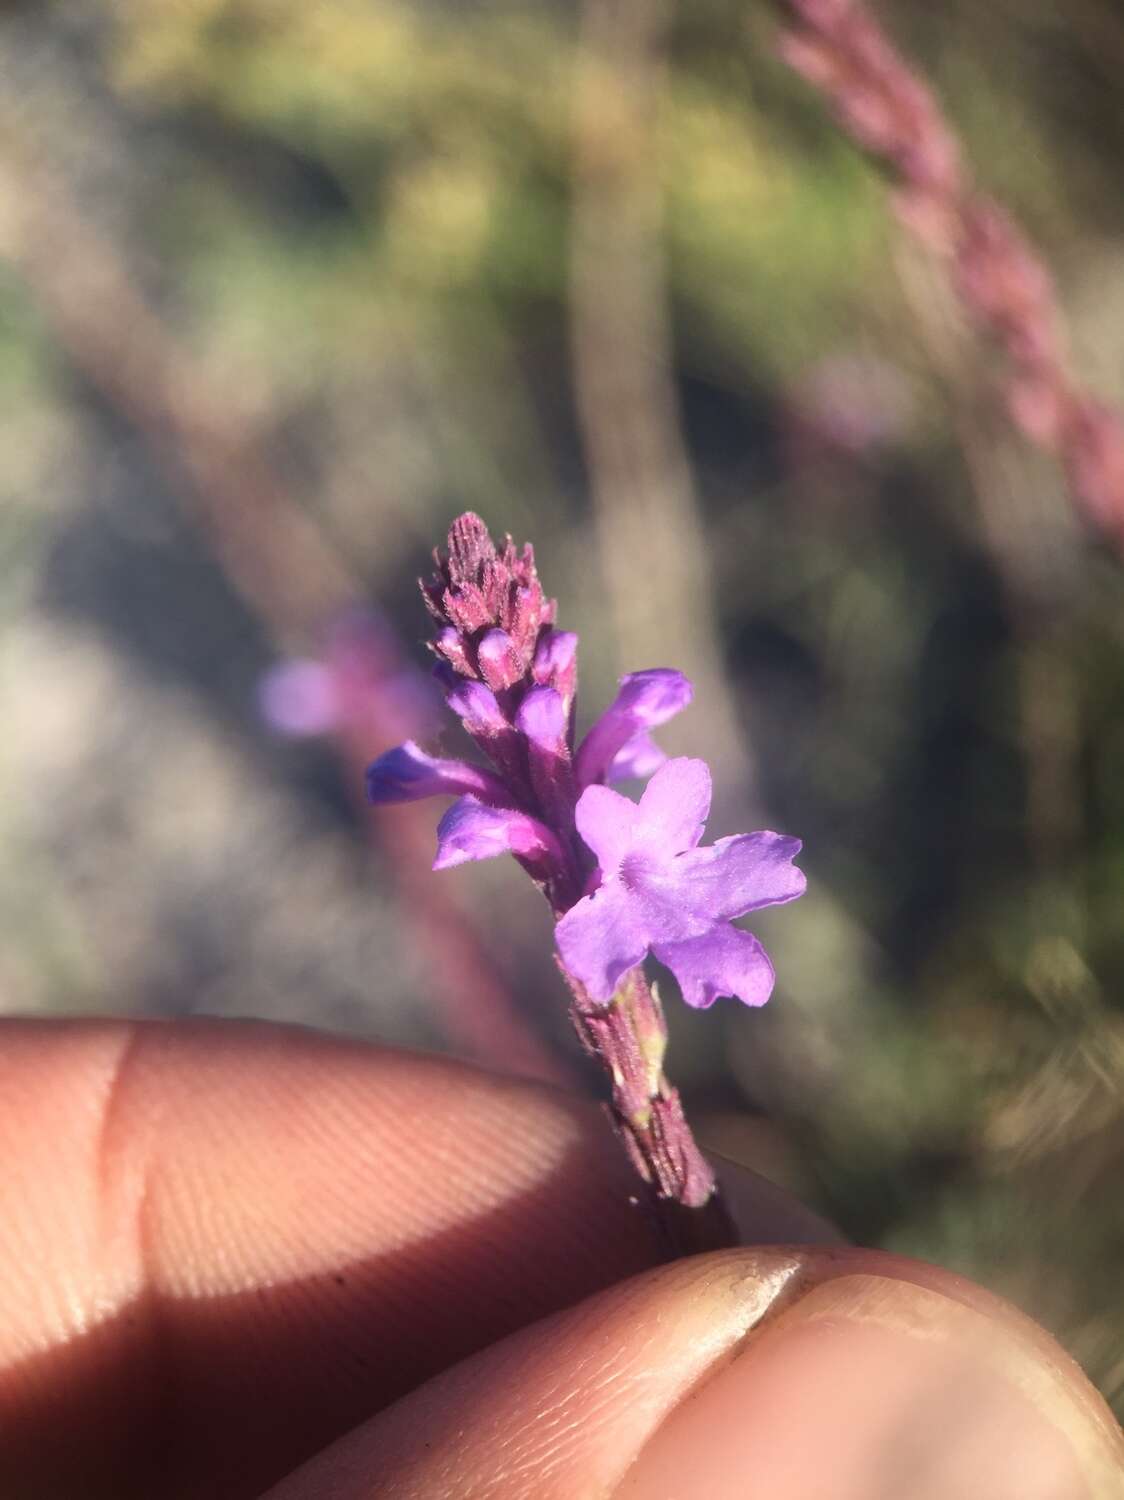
(618, 745)
(531, 750)
(407, 774)
(510, 676)
(472, 830)
(661, 893)
(622, 879)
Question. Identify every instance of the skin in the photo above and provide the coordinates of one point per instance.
(238, 1259)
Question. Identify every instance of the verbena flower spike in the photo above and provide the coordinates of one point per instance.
(624, 879)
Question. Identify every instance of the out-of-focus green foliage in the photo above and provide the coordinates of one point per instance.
(355, 218)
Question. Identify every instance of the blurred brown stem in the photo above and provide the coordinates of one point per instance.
(652, 540)
(628, 1038)
(1031, 540)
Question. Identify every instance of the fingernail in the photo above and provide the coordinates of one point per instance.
(869, 1388)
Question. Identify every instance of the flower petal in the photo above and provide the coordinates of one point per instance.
(600, 939)
(636, 759)
(644, 700)
(674, 807)
(736, 875)
(607, 823)
(724, 961)
(407, 774)
(472, 830)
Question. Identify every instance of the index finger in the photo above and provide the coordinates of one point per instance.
(225, 1244)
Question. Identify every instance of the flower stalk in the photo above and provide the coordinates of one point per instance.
(628, 1036)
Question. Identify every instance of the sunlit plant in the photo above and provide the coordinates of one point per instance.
(625, 880)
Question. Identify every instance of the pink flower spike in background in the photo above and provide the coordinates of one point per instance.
(661, 893)
(883, 105)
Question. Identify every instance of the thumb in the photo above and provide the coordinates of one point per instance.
(838, 1374)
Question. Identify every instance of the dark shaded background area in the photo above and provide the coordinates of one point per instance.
(283, 288)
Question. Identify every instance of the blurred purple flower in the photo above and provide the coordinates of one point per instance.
(360, 682)
(661, 893)
(299, 698)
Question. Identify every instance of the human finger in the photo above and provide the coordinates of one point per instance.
(222, 1245)
(838, 1374)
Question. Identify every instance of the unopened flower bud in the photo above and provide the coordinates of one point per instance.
(499, 662)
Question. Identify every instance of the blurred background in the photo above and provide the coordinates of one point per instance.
(284, 287)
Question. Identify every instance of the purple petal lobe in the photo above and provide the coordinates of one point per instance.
(635, 760)
(607, 822)
(724, 961)
(675, 804)
(472, 830)
(407, 774)
(476, 705)
(736, 875)
(644, 700)
(299, 698)
(542, 718)
(600, 939)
